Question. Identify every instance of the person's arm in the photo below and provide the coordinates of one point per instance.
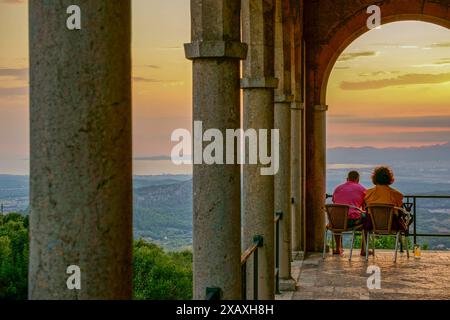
(363, 198)
(333, 199)
(399, 199)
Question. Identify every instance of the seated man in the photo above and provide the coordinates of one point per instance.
(350, 193)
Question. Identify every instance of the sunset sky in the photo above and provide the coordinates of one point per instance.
(391, 87)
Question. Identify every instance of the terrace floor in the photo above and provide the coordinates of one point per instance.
(336, 278)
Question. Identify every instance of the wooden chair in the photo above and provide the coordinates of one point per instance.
(382, 217)
(337, 216)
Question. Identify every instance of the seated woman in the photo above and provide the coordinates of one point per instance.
(383, 193)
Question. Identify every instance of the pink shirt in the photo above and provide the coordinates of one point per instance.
(350, 193)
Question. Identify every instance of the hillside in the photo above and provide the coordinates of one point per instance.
(163, 214)
(388, 155)
(163, 204)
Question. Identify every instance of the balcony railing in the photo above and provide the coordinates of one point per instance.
(410, 205)
(258, 242)
(252, 251)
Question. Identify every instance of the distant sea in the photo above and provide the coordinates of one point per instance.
(144, 167)
(21, 167)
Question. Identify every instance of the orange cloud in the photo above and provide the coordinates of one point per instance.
(406, 79)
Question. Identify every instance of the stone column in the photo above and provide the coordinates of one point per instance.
(296, 176)
(81, 179)
(216, 51)
(258, 84)
(297, 129)
(283, 100)
(316, 178)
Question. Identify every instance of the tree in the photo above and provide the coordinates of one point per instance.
(159, 275)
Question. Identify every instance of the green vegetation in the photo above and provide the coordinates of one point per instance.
(381, 242)
(13, 257)
(158, 275)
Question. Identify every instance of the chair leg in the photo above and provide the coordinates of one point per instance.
(325, 240)
(373, 244)
(332, 241)
(351, 246)
(397, 238)
(367, 245)
(407, 245)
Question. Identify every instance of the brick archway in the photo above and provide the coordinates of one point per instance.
(329, 28)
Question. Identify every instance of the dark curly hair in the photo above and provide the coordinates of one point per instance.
(383, 176)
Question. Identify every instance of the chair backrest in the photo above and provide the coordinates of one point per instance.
(382, 217)
(337, 215)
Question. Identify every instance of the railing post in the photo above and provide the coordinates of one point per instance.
(279, 216)
(257, 240)
(415, 220)
(244, 281)
(213, 294)
(255, 275)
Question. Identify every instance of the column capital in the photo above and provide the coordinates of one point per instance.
(297, 105)
(320, 107)
(284, 98)
(263, 82)
(215, 49)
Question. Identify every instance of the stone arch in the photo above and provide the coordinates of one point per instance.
(329, 27)
(325, 72)
(355, 26)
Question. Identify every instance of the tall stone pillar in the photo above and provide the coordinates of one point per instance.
(216, 51)
(81, 179)
(258, 83)
(316, 178)
(296, 176)
(297, 129)
(283, 100)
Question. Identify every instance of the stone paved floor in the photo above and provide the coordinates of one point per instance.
(426, 278)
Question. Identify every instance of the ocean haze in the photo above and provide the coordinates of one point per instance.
(163, 191)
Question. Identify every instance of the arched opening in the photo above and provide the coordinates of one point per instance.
(345, 38)
(326, 36)
(388, 96)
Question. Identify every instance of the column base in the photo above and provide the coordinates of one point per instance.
(298, 255)
(288, 284)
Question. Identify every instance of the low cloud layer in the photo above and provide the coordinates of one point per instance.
(355, 55)
(408, 122)
(441, 45)
(16, 73)
(13, 1)
(13, 92)
(406, 79)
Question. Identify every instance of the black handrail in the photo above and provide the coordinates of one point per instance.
(278, 218)
(258, 242)
(410, 205)
(412, 208)
(213, 294)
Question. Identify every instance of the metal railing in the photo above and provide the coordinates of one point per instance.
(258, 242)
(278, 218)
(410, 205)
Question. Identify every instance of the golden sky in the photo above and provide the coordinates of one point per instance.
(391, 86)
